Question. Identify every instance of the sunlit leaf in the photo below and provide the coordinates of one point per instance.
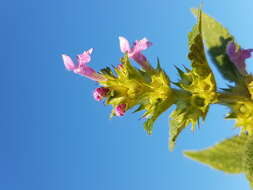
(227, 155)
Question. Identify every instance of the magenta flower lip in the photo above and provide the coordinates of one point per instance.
(81, 67)
(134, 52)
(239, 56)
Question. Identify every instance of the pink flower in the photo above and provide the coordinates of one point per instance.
(100, 93)
(81, 67)
(239, 56)
(134, 52)
(120, 110)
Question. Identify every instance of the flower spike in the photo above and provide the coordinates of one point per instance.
(151, 91)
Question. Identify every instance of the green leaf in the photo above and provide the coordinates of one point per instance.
(217, 37)
(248, 160)
(234, 155)
(227, 156)
(197, 52)
(196, 49)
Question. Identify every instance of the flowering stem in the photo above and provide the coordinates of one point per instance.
(225, 98)
(180, 94)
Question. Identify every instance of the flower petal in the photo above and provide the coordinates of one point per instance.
(135, 52)
(231, 48)
(84, 58)
(89, 73)
(81, 68)
(124, 45)
(69, 64)
(97, 96)
(140, 58)
(239, 56)
(141, 45)
(89, 51)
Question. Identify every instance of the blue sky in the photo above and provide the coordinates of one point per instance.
(54, 136)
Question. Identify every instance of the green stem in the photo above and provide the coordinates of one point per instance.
(229, 98)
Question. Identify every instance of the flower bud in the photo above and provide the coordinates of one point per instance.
(100, 93)
(120, 110)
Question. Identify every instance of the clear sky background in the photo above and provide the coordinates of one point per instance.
(54, 136)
